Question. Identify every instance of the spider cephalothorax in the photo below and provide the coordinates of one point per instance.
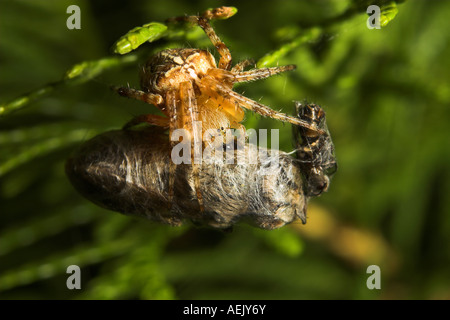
(189, 88)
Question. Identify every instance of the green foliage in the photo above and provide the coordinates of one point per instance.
(386, 93)
(139, 35)
(388, 13)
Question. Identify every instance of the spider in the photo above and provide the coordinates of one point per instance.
(188, 86)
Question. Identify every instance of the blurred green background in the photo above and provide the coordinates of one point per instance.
(386, 93)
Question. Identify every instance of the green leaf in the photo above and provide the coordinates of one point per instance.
(134, 38)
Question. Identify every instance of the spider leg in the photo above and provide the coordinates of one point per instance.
(150, 98)
(191, 117)
(219, 13)
(246, 76)
(225, 55)
(203, 22)
(263, 73)
(148, 118)
(210, 14)
(174, 123)
(239, 67)
(257, 107)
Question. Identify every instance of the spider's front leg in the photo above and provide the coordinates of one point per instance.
(217, 78)
(225, 55)
(203, 21)
(240, 66)
(150, 98)
(185, 115)
(174, 117)
(268, 112)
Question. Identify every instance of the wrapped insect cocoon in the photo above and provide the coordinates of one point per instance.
(128, 171)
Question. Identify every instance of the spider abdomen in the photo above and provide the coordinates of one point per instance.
(169, 68)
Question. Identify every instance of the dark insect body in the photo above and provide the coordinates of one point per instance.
(315, 151)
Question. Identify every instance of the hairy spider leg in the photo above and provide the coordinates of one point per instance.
(219, 13)
(231, 77)
(203, 22)
(257, 107)
(190, 117)
(146, 97)
(262, 73)
(240, 66)
(174, 118)
(150, 98)
(210, 14)
(225, 55)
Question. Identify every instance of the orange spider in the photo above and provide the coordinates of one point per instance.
(188, 86)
